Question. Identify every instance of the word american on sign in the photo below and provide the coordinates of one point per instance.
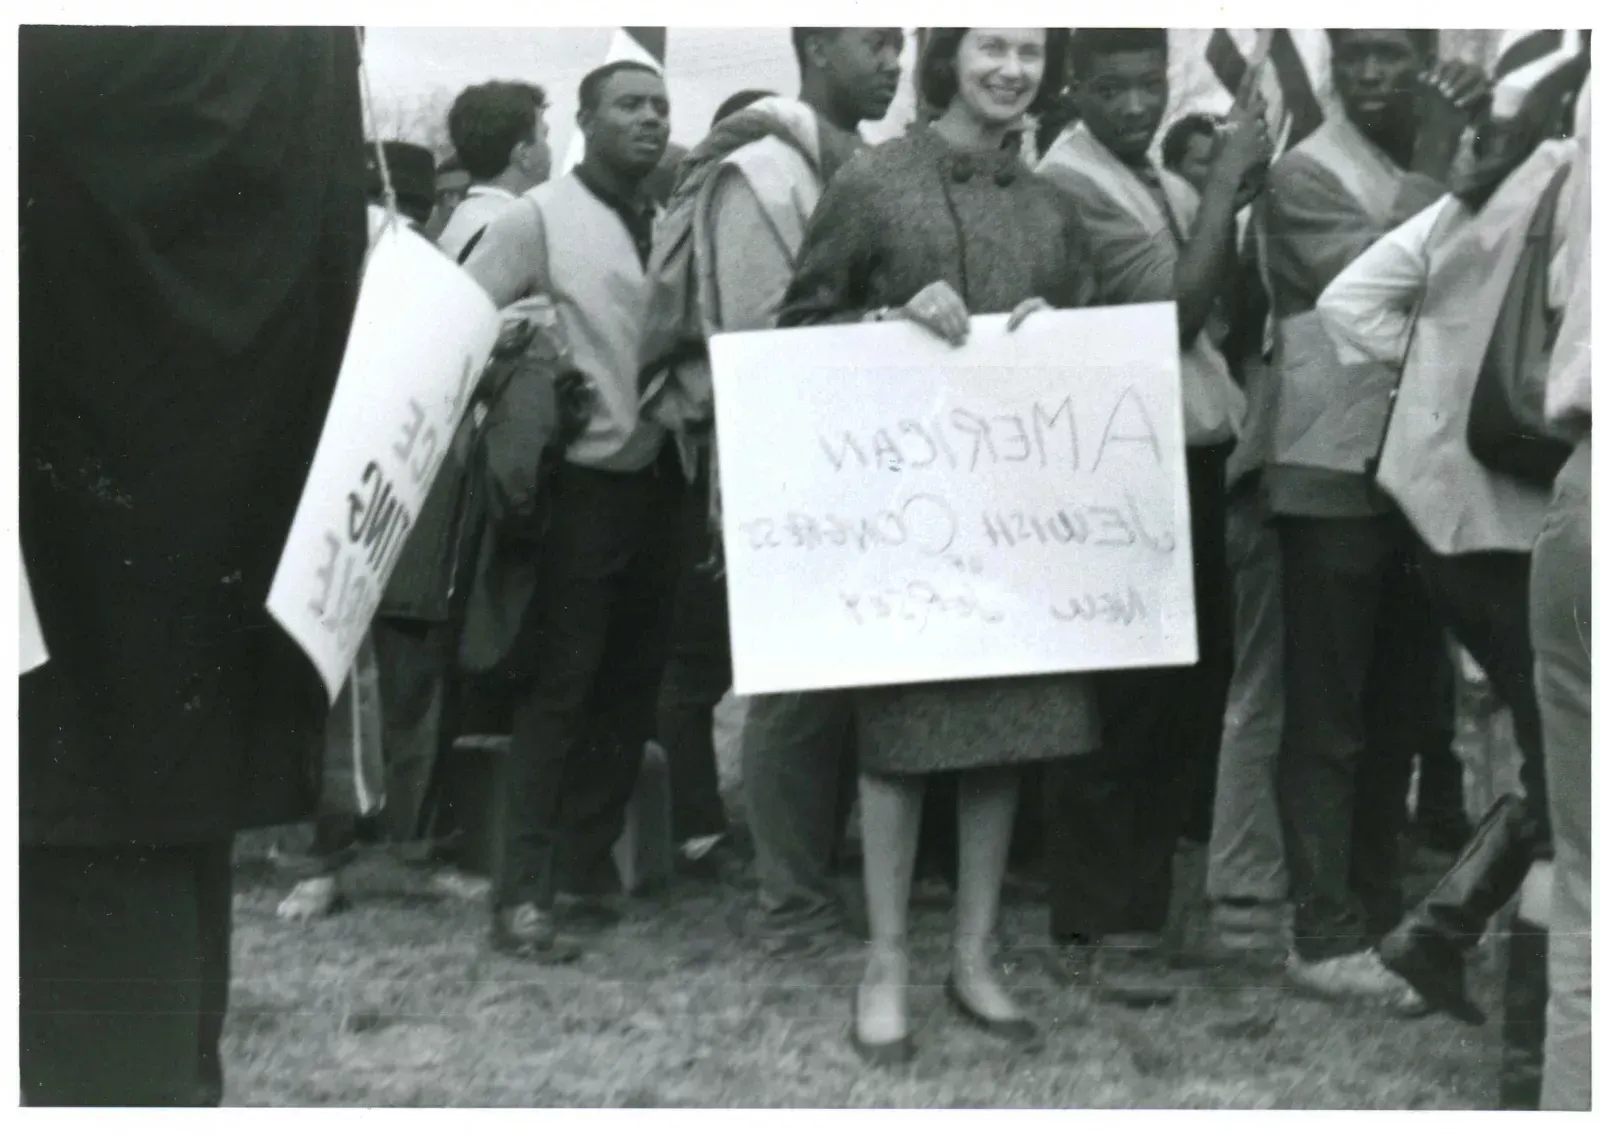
(899, 510)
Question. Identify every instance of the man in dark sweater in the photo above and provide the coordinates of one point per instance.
(192, 237)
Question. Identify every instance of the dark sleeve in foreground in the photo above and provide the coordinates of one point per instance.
(192, 234)
(833, 280)
(1079, 285)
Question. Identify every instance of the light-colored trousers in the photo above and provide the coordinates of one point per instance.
(1559, 597)
(1247, 859)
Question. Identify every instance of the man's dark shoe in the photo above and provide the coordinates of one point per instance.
(1429, 948)
(791, 936)
(1131, 970)
(1434, 966)
(524, 931)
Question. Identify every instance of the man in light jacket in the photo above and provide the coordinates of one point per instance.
(744, 198)
(1428, 297)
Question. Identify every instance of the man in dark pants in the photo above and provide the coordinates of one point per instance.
(1440, 822)
(600, 613)
(192, 236)
(1117, 816)
(698, 674)
(760, 173)
(1361, 641)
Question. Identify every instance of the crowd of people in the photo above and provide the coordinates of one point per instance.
(1383, 331)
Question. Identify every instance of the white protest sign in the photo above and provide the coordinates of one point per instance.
(899, 510)
(34, 654)
(423, 331)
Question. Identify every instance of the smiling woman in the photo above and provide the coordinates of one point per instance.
(945, 222)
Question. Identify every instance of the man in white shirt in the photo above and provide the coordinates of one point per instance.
(502, 141)
(1432, 296)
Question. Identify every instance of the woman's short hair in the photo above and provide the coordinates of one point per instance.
(936, 74)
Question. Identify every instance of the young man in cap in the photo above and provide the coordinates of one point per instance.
(411, 175)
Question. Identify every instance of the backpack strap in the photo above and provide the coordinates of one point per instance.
(467, 248)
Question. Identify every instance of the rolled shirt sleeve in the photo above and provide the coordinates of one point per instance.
(1367, 309)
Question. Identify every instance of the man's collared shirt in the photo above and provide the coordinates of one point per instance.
(638, 217)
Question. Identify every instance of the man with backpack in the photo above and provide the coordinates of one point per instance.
(724, 254)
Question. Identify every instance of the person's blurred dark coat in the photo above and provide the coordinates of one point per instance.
(192, 234)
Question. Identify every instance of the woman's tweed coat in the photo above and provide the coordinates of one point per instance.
(894, 220)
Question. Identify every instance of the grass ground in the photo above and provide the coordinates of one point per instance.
(397, 1003)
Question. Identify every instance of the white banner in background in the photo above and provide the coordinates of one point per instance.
(896, 510)
(34, 654)
(423, 331)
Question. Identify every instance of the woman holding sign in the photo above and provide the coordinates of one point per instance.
(931, 228)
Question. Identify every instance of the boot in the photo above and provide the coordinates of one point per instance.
(1522, 1035)
(1430, 945)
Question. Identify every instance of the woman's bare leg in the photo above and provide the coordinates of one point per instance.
(987, 811)
(891, 812)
